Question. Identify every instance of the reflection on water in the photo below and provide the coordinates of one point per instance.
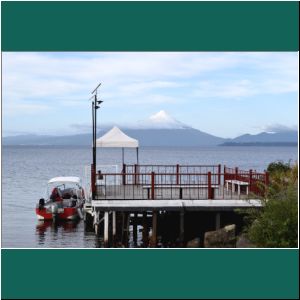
(69, 234)
(54, 229)
(61, 231)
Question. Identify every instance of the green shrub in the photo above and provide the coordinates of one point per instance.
(276, 224)
(278, 166)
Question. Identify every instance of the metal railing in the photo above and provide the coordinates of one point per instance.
(171, 169)
(257, 181)
(162, 186)
(168, 185)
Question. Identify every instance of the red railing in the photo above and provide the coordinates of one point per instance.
(171, 169)
(257, 181)
(180, 184)
(157, 186)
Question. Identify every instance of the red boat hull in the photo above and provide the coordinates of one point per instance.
(69, 213)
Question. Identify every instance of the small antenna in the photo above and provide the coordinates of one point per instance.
(95, 90)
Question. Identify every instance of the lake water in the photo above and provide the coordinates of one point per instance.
(26, 170)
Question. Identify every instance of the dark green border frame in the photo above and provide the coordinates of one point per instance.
(157, 26)
(146, 274)
(150, 26)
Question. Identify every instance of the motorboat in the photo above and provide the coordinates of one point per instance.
(64, 200)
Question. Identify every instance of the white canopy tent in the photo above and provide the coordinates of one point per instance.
(116, 138)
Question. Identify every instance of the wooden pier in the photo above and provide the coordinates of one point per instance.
(142, 195)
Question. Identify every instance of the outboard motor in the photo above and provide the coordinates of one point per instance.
(73, 202)
(41, 203)
(54, 210)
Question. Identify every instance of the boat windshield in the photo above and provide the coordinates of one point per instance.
(65, 190)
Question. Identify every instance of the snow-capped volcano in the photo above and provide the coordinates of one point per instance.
(161, 120)
(159, 129)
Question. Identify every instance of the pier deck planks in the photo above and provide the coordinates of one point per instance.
(174, 205)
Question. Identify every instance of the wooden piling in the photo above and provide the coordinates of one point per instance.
(88, 221)
(96, 223)
(134, 229)
(123, 228)
(119, 229)
(106, 229)
(96, 226)
(145, 230)
(127, 230)
(114, 226)
(154, 230)
(181, 229)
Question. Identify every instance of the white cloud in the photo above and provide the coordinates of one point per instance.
(220, 89)
(18, 108)
(279, 128)
(38, 72)
(61, 78)
(137, 87)
(35, 83)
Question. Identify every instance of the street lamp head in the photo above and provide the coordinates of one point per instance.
(99, 101)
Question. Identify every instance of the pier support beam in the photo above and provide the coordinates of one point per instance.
(114, 226)
(97, 229)
(106, 228)
(154, 230)
(122, 228)
(96, 222)
(134, 229)
(218, 220)
(145, 230)
(88, 221)
(125, 228)
(181, 228)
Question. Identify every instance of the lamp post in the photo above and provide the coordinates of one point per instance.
(95, 105)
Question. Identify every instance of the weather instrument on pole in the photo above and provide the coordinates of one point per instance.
(95, 105)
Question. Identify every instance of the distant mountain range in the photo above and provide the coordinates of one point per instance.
(162, 130)
(265, 137)
(147, 137)
(267, 144)
(284, 138)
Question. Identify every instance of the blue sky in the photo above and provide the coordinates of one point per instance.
(225, 94)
